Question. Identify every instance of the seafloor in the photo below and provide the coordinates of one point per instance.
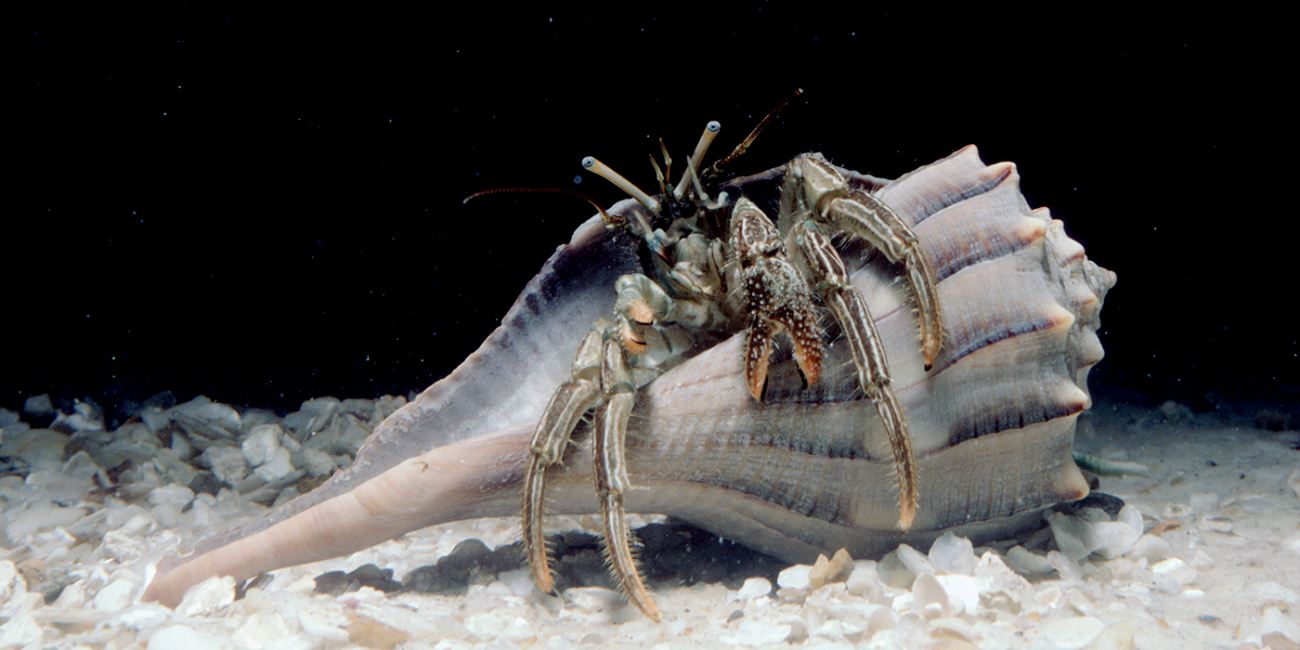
(1205, 555)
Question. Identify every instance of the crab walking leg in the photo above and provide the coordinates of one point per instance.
(611, 476)
(813, 185)
(775, 295)
(866, 216)
(851, 311)
(574, 398)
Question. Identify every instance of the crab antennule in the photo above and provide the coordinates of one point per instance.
(602, 170)
(710, 132)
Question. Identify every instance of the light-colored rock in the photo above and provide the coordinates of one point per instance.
(312, 417)
(171, 493)
(1073, 633)
(754, 588)
(929, 597)
(915, 561)
(1276, 620)
(386, 406)
(212, 413)
(183, 637)
(953, 555)
(207, 597)
(1080, 536)
(39, 448)
(1118, 636)
(1022, 559)
(1152, 547)
(594, 599)
(826, 571)
(226, 463)
(84, 417)
(1172, 573)
(1273, 591)
(752, 634)
(115, 597)
(38, 405)
(794, 577)
(277, 467)
(319, 628)
(864, 582)
(314, 461)
(261, 444)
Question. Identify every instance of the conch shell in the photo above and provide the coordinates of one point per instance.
(992, 423)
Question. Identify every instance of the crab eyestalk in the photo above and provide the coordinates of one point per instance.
(710, 132)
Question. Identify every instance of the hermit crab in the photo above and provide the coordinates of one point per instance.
(985, 327)
(720, 266)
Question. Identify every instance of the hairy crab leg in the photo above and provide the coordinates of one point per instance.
(828, 196)
(612, 482)
(573, 399)
(854, 317)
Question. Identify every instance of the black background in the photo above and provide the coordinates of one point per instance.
(265, 206)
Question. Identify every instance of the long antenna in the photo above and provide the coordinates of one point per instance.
(716, 167)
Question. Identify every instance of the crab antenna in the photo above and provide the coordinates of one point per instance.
(740, 148)
(710, 131)
(600, 169)
(544, 190)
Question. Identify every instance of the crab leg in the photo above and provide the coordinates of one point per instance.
(601, 379)
(611, 475)
(851, 311)
(828, 196)
(574, 398)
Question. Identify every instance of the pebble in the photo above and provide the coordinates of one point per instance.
(752, 634)
(1028, 562)
(84, 417)
(826, 571)
(115, 597)
(278, 467)
(261, 444)
(39, 405)
(38, 448)
(1152, 547)
(1172, 573)
(929, 597)
(227, 463)
(208, 412)
(754, 588)
(794, 577)
(1073, 633)
(1080, 536)
(182, 637)
(171, 493)
(207, 597)
(953, 555)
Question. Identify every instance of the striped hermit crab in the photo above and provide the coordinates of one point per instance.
(808, 468)
(721, 266)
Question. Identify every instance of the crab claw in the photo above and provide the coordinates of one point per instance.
(775, 295)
